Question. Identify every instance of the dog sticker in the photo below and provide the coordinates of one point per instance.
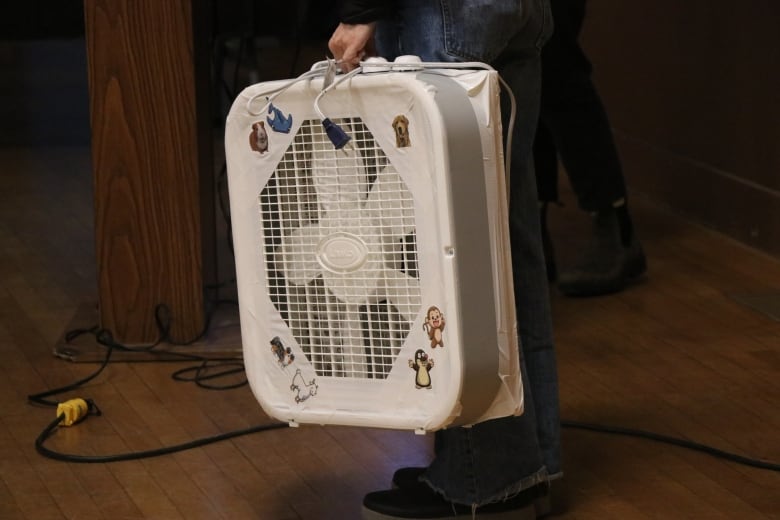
(401, 128)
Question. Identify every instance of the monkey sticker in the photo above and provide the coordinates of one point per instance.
(434, 326)
(258, 138)
(401, 128)
(422, 366)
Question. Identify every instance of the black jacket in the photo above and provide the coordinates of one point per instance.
(364, 11)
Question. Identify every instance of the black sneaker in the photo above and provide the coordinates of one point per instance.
(409, 478)
(612, 260)
(421, 502)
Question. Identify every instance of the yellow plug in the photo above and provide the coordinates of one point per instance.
(73, 409)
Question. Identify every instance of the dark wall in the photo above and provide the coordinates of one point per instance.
(44, 96)
(39, 19)
(692, 90)
(43, 93)
(43, 75)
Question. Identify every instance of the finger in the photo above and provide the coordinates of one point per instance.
(351, 58)
(336, 48)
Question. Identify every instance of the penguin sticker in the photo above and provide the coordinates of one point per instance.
(434, 326)
(422, 366)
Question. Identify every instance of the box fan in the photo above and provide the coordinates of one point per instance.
(370, 233)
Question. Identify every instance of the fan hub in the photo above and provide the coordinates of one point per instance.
(342, 252)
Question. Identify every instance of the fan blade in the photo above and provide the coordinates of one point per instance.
(354, 360)
(353, 288)
(296, 257)
(345, 352)
(339, 178)
(403, 291)
(390, 204)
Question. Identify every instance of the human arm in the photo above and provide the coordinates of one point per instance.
(354, 37)
(351, 42)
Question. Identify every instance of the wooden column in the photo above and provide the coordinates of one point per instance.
(152, 163)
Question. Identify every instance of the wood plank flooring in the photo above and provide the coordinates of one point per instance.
(677, 354)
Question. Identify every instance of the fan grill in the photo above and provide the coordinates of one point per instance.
(341, 251)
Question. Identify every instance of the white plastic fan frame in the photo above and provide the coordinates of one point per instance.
(453, 169)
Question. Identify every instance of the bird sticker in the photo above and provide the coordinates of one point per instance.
(422, 366)
(279, 122)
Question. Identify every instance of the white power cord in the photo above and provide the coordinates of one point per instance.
(324, 68)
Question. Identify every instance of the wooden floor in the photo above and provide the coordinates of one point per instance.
(681, 354)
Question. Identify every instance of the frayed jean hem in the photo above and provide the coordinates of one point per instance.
(505, 494)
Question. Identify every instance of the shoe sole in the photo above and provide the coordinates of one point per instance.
(543, 506)
(527, 513)
(553, 503)
(633, 274)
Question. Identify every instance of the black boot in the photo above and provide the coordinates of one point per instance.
(612, 259)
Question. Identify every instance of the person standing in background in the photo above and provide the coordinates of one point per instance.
(574, 127)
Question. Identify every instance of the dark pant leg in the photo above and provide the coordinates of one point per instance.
(498, 458)
(534, 317)
(546, 165)
(573, 113)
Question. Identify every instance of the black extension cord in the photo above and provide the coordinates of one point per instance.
(76, 410)
(135, 455)
(201, 376)
(675, 441)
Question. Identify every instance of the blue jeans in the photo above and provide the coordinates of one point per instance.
(496, 459)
